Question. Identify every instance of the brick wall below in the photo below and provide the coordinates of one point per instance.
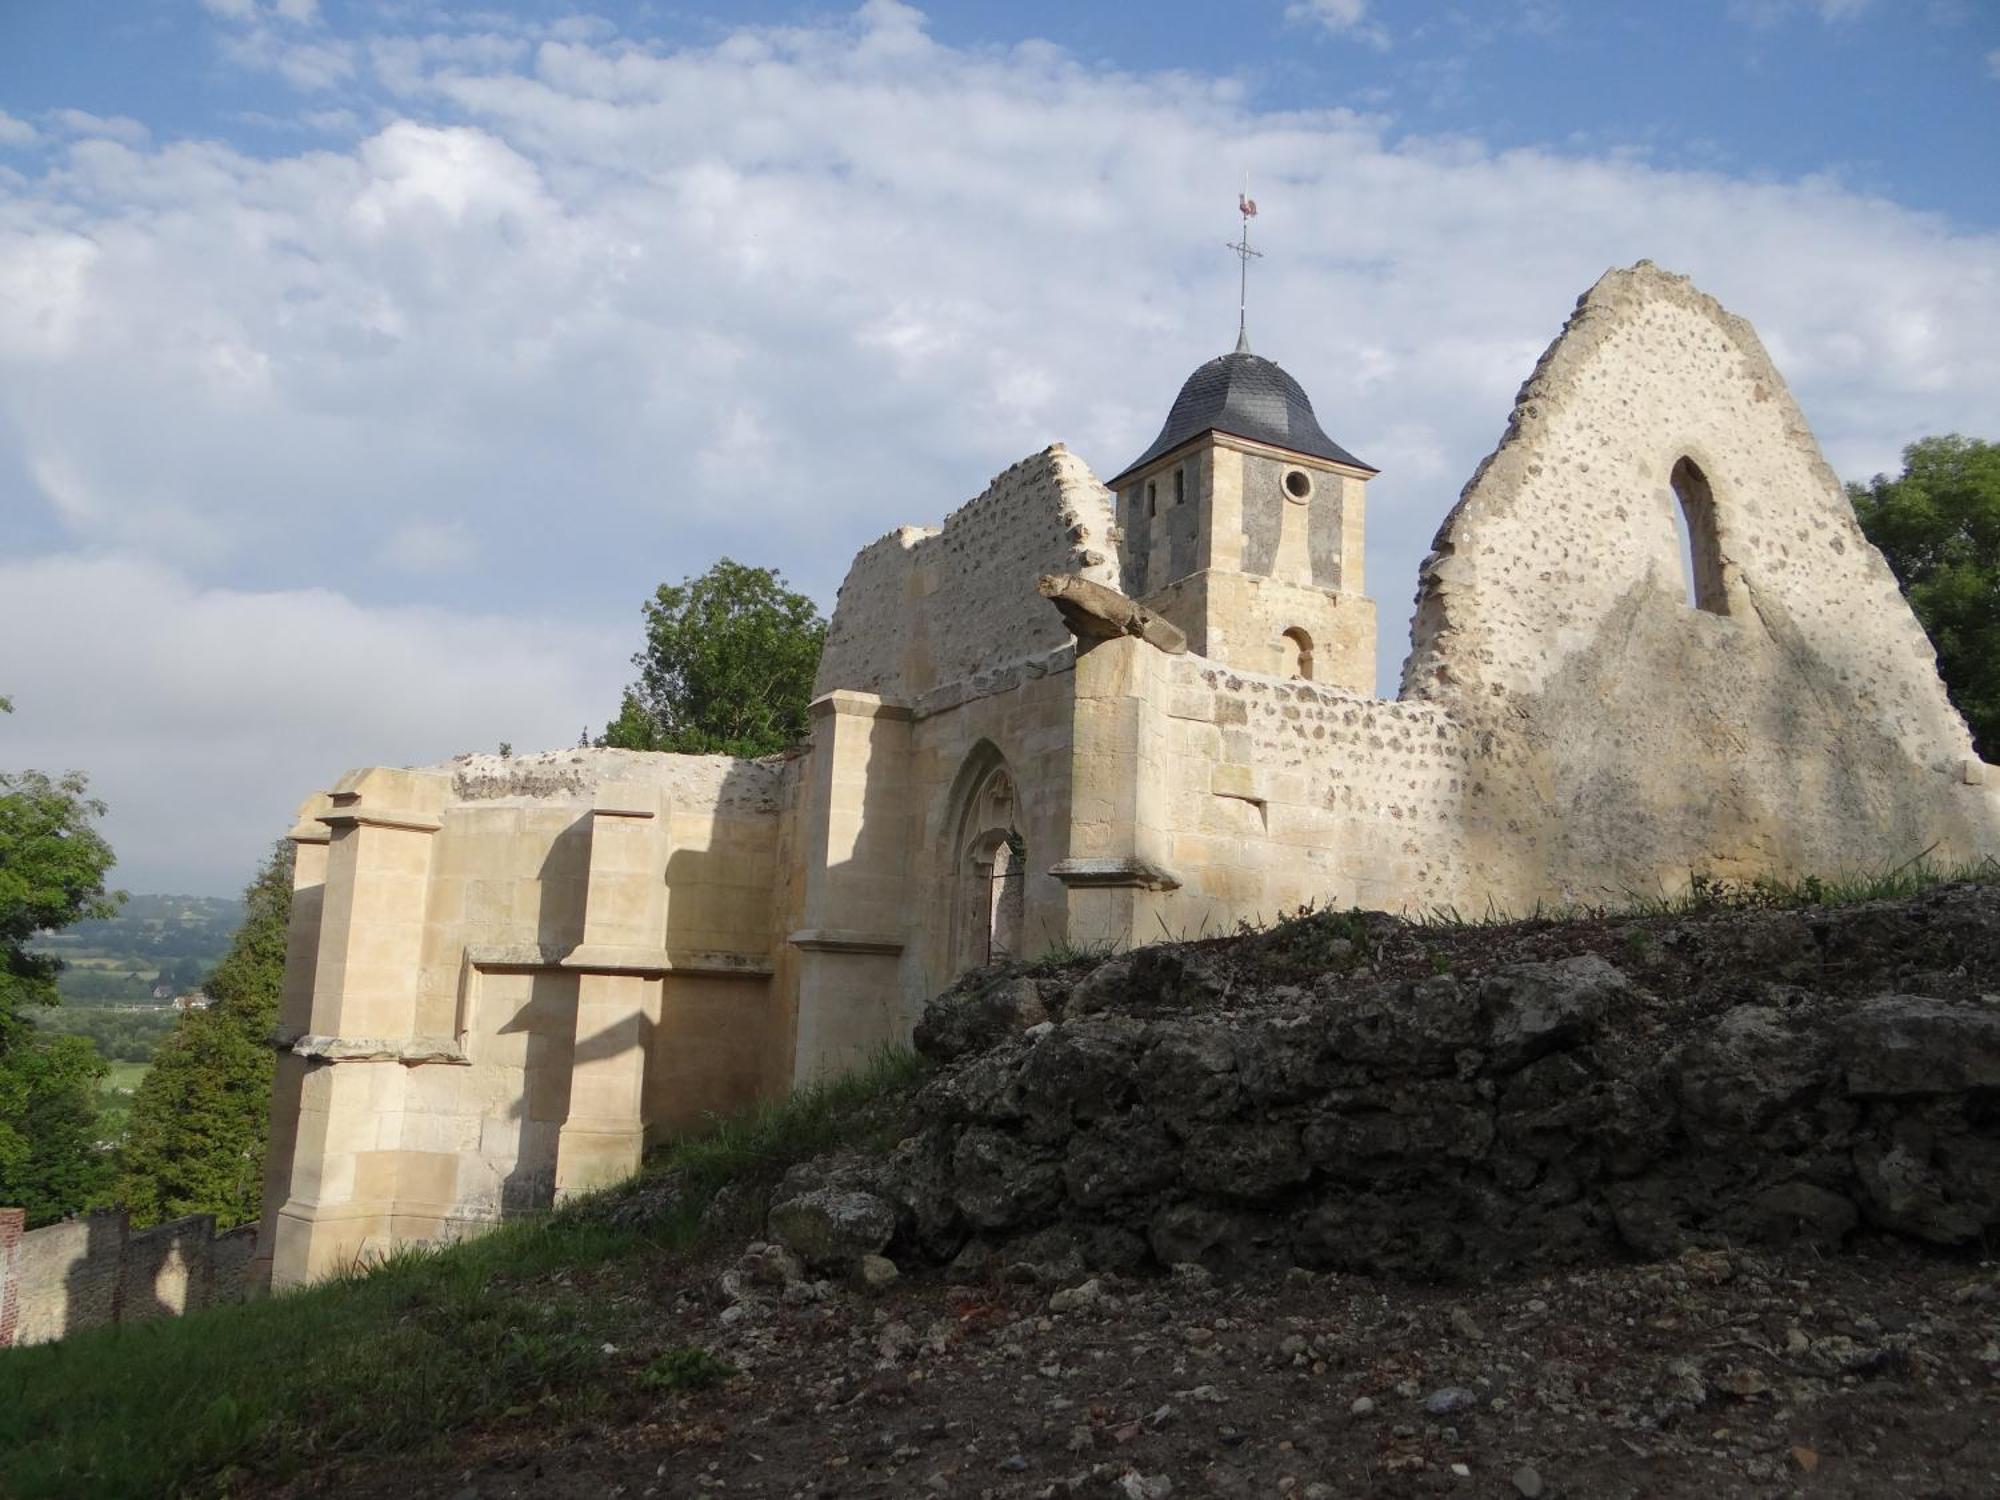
(86, 1273)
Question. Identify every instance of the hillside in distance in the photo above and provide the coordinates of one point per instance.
(155, 942)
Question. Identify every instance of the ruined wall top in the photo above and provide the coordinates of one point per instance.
(722, 782)
(1573, 515)
(925, 606)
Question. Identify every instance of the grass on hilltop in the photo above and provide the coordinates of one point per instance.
(535, 1320)
(1707, 894)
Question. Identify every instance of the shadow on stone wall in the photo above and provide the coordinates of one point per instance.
(96, 1271)
(1683, 741)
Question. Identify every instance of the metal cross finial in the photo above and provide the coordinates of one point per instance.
(1247, 206)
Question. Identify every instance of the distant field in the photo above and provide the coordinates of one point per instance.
(124, 1077)
(114, 1100)
(171, 941)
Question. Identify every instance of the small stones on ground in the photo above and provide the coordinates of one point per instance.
(876, 1273)
(1449, 1400)
(1743, 1382)
(1528, 1482)
(1075, 1298)
(1362, 1406)
(1136, 1486)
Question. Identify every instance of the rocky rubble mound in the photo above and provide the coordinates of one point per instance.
(1349, 1092)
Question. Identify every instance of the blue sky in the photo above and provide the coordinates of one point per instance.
(363, 363)
(1891, 96)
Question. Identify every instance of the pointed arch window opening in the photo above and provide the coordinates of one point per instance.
(1700, 545)
(990, 869)
(1007, 897)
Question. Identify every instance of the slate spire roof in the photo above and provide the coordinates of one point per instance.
(1247, 396)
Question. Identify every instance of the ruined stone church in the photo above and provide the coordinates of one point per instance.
(1092, 713)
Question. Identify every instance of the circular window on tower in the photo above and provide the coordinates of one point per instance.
(1298, 485)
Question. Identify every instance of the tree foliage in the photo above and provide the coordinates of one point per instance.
(51, 1163)
(727, 668)
(202, 1116)
(1939, 526)
(52, 867)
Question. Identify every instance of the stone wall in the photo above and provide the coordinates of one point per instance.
(1286, 792)
(523, 969)
(1575, 727)
(1788, 719)
(1359, 1094)
(90, 1272)
(923, 607)
(1019, 716)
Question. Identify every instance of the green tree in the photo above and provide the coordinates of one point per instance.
(727, 668)
(201, 1118)
(1939, 526)
(54, 1165)
(52, 867)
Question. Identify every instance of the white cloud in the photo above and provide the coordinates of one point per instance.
(15, 132)
(204, 716)
(426, 546)
(1343, 17)
(310, 66)
(121, 128)
(588, 315)
(1765, 14)
(286, 38)
(332, 121)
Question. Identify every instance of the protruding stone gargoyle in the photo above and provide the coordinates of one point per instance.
(1096, 612)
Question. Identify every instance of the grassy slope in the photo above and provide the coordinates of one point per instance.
(397, 1360)
(516, 1324)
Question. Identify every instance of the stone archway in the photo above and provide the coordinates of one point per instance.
(988, 860)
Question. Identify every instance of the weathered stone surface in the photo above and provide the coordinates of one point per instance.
(1123, 1158)
(1000, 1180)
(833, 1227)
(831, 1212)
(1535, 1008)
(1752, 1064)
(1468, 1123)
(1096, 612)
(972, 1016)
(1905, 1045)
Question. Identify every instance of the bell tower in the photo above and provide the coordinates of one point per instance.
(1243, 524)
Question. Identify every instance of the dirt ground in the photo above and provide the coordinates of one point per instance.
(1876, 1372)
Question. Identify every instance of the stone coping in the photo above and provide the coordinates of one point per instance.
(1126, 870)
(415, 1049)
(843, 940)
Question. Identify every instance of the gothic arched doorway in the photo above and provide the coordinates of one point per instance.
(989, 864)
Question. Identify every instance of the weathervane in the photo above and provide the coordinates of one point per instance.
(1247, 206)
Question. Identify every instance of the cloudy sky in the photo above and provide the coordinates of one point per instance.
(364, 363)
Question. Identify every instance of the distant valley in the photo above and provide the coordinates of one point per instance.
(121, 975)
